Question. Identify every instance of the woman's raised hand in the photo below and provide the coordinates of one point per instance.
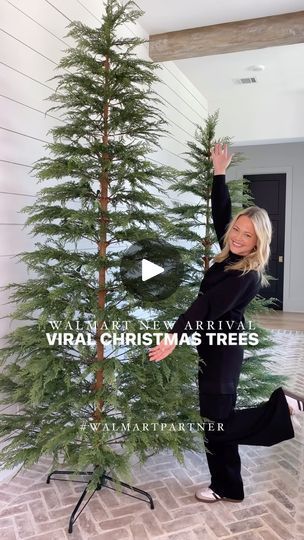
(220, 157)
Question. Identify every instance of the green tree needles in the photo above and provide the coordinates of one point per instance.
(100, 199)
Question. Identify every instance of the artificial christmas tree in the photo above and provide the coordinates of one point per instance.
(56, 368)
(192, 224)
(101, 201)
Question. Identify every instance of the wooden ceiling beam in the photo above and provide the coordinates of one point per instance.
(272, 31)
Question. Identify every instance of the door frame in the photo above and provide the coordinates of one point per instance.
(238, 172)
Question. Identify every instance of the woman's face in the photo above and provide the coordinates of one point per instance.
(242, 238)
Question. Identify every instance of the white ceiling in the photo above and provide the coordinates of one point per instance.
(169, 15)
(213, 75)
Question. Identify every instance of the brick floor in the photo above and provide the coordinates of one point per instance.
(272, 509)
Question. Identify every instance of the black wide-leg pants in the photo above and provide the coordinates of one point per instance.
(264, 425)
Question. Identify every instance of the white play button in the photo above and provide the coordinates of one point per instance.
(137, 270)
(149, 270)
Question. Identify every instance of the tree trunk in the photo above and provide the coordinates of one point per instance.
(103, 201)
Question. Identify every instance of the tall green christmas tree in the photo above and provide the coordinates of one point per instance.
(193, 226)
(101, 198)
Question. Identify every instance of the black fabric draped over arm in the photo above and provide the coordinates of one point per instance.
(226, 293)
(235, 290)
(221, 206)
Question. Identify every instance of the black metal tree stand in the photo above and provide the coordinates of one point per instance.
(102, 483)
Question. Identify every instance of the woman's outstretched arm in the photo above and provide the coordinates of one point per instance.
(220, 198)
(234, 290)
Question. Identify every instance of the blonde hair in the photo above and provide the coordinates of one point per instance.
(258, 258)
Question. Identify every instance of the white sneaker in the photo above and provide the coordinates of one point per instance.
(209, 496)
(296, 405)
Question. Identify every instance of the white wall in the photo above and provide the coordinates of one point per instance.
(31, 44)
(261, 117)
(283, 158)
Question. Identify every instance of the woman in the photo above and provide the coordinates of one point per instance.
(228, 286)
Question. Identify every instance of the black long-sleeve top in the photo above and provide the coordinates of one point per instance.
(223, 295)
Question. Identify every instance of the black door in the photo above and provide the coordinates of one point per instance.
(269, 191)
